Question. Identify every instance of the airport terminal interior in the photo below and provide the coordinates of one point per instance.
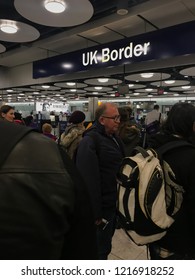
(131, 52)
(146, 64)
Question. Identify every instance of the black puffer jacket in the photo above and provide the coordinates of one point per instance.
(180, 238)
(41, 208)
(98, 160)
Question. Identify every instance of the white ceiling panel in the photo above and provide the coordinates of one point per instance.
(169, 15)
(131, 26)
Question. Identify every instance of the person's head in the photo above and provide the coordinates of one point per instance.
(18, 118)
(107, 114)
(156, 107)
(7, 113)
(125, 112)
(46, 128)
(77, 117)
(181, 120)
(28, 120)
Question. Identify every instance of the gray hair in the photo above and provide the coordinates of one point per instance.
(102, 109)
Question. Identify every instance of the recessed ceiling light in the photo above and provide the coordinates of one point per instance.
(70, 84)
(147, 75)
(55, 6)
(122, 7)
(148, 89)
(45, 86)
(9, 27)
(67, 65)
(169, 82)
(98, 88)
(103, 80)
(186, 87)
(122, 12)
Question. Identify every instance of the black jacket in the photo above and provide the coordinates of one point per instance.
(42, 209)
(98, 160)
(180, 238)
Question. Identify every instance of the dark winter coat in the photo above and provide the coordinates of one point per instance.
(44, 211)
(180, 238)
(98, 160)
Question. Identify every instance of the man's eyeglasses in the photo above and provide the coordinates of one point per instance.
(115, 118)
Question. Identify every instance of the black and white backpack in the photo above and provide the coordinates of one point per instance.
(149, 198)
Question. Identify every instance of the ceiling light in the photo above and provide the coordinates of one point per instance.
(45, 86)
(169, 82)
(122, 7)
(70, 84)
(103, 80)
(186, 87)
(147, 75)
(148, 89)
(9, 27)
(98, 88)
(122, 12)
(55, 6)
(67, 65)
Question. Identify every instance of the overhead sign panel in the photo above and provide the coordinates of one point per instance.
(160, 44)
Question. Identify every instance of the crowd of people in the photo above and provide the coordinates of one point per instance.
(70, 186)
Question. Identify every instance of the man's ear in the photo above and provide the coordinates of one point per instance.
(101, 120)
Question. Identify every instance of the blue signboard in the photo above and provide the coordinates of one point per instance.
(159, 44)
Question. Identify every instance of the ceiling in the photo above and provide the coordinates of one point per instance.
(91, 23)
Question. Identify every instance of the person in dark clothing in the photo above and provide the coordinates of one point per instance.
(18, 118)
(179, 242)
(99, 155)
(45, 210)
(128, 130)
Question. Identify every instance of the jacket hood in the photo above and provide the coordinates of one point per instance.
(159, 139)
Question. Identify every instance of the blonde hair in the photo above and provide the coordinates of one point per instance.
(47, 128)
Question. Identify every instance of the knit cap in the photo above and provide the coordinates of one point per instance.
(77, 117)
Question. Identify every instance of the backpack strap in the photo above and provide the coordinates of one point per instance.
(141, 150)
(11, 134)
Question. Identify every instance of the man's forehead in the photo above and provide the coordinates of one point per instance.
(111, 108)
